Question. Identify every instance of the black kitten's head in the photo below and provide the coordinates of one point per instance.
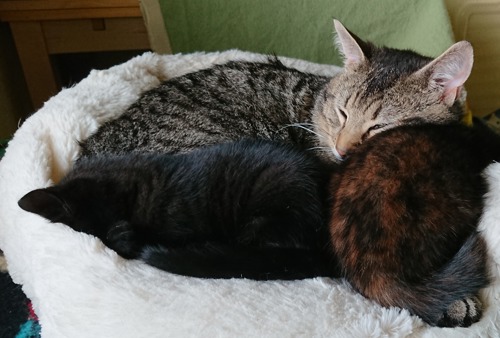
(82, 204)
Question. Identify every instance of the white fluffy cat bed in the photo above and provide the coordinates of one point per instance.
(79, 288)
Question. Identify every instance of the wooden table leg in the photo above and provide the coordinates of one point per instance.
(35, 61)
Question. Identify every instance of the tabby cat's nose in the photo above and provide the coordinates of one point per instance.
(341, 151)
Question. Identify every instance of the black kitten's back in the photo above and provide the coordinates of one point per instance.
(250, 209)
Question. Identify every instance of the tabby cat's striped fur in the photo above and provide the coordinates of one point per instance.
(380, 88)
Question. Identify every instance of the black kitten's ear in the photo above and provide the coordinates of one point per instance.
(45, 203)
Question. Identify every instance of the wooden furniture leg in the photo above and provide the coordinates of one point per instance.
(35, 61)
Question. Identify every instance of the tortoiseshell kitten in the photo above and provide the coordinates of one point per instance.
(405, 209)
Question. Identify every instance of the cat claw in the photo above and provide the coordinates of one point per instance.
(462, 313)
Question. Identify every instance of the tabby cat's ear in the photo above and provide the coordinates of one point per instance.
(349, 45)
(448, 72)
(45, 203)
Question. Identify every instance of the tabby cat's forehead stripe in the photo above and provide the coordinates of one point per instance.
(353, 96)
(368, 101)
(377, 111)
(389, 66)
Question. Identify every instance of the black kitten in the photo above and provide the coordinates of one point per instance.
(249, 209)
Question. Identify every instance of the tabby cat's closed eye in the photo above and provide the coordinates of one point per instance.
(342, 115)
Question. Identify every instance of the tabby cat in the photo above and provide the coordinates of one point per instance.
(405, 208)
(380, 88)
(249, 209)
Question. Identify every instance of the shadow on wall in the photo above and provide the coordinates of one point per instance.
(15, 104)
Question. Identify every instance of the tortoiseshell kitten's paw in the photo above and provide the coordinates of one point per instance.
(123, 239)
(462, 313)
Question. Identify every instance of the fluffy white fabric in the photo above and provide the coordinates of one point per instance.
(79, 288)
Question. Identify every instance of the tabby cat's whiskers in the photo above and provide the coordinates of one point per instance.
(325, 149)
(302, 126)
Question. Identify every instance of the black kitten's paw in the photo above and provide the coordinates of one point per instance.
(122, 238)
(462, 313)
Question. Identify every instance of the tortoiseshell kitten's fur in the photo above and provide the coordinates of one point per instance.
(379, 88)
(249, 209)
(405, 209)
